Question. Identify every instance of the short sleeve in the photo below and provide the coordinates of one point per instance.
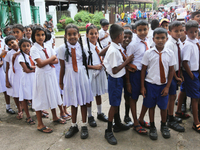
(7, 57)
(186, 52)
(34, 53)
(169, 46)
(145, 59)
(61, 52)
(114, 59)
(21, 59)
(172, 61)
(130, 49)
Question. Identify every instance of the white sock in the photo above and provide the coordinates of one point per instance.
(74, 124)
(99, 109)
(89, 111)
(84, 124)
(7, 106)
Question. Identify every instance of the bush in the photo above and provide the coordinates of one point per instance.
(59, 26)
(97, 17)
(69, 20)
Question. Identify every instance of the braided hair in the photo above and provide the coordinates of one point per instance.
(20, 44)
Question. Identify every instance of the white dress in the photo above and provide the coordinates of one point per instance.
(26, 82)
(13, 78)
(77, 89)
(98, 79)
(46, 92)
(2, 77)
(2, 46)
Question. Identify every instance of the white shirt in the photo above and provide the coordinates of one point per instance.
(160, 15)
(190, 53)
(2, 44)
(113, 58)
(21, 59)
(105, 41)
(171, 44)
(137, 48)
(151, 60)
(150, 38)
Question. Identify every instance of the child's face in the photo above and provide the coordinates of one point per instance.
(50, 29)
(160, 40)
(18, 33)
(93, 35)
(183, 32)
(28, 32)
(12, 44)
(127, 39)
(165, 25)
(192, 33)
(142, 31)
(176, 32)
(7, 30)
(25, 47)
(40, 37)
(105, 28)
(72, 35)
(197, 18)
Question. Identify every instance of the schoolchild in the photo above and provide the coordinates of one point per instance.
(104, 36)
(133, 31)
(196, 16)
(164, 23)
(74, 79)
(154, 25)
(18, 31)
(46, 92)
(159, 63)
(52, 36)
(115, 67)
(28, 33)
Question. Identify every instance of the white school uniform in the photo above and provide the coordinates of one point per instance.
(77, 88)
(26, 82)
(13, 78)
(137, 48)
(3, 45)
(190, 53)
(150, 38)
(98, 79)
(113, 58)
(105, 41)
(45, 87)
(2, 77)
(151, 60)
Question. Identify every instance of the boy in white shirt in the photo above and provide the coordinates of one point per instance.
(104, 36)
(159, 63)
(115, 67)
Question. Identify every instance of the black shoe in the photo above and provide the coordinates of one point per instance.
(120, 127)
(183, 108)
(10, 111)
(128, 121)
(165, 131)
(71, 132)
(102, 117)
(110, 138)
(175, 126)
(178, 120)
(153, 133)
(91, 121)
(176, 102)
(84, 132)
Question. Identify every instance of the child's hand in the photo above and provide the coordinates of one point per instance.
(54, 56)
(165, 91)
(61, 86)
(3, 53)
(106, 35)
(143, 91)
(192, 76)
(179, 80)
(128, 85)
(8, 85)
(130, 58)
(98, 67)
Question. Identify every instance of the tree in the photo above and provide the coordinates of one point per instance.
(155, 5)
(164, 2)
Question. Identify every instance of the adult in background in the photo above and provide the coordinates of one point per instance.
(51, 22)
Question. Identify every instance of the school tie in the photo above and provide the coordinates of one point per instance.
(125, 51)
(145, 43)
(162, 72)
(179, 59)
(45, 52)
(96, 48)
(74, 62)
(31, 61)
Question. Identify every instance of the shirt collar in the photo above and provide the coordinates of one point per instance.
(193, 41)
(73, 46)
(117, 46)
(174, 41)
(39, 46)
(139, 39)
(94, 46)
(155, 49)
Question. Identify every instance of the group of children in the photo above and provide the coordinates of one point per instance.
(151, 64)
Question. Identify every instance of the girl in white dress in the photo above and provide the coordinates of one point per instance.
(28, 33)
(73, 78)
(26, 82)
(46, 92)
(97, 75)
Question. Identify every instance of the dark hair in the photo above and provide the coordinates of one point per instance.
(67, 53)
(154, 24)
(141, 22)
(9, 38)
(190, 24)
(127, 31)
(115, 30)
(1, 34)
(133, 26)
(101, 21)
(174, 24)
(4, 30)
(26, 27)
(48, 27)
(48, 35)
(35, 29)
(128, 25)
(194, 14)
(20, 43)
(160, 30)
(183, 24)
(18, 26)
(104, 22)
(199, 33)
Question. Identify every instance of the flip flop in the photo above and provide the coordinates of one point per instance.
(45, 115)
(59, 121)
(139, 131)
(66, 117)
(45, 112)
(45, 128)
(144, 124)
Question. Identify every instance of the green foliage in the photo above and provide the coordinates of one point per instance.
(82, 16)
(69, 20)
(97, 17)
(63, 17)
(164, 2)
(155, 5)
(59, 26)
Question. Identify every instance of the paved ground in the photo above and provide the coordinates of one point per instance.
(17, 135)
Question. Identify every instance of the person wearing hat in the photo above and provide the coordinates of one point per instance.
(164, 23)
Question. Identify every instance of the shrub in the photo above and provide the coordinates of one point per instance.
(59, 26)
(63, 17)
(68, 20)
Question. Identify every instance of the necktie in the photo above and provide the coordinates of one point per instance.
(96, 48)
(145, 45)
(45, 52)
(125, 51)
(179, 59)
(74, 62)
(162, 72)
(31, 61)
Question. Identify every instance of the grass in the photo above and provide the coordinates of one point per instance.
(60, 33)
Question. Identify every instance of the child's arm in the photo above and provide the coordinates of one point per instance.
(62, 73)
(96, 67)
(25, 68)
(7, 81)
(41, 63)
(105, 36)
(178, 79)
(128, 84)
(55, 61)
(3, 53)
(143, 73)
(187, 69)
(13, 60)
(104, 50)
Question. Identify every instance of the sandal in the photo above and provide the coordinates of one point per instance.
(30, 122)
(45, 115)
(182, 115)
(60, 121)
(45, 112)
(45, 128)
(144, 124)
(140, 130)
(196, 127)
(66, 117)
(19, 116)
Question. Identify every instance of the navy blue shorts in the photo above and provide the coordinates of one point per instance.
(153, 96)
(182, 87)
(135, 79)
(125, 87)
(192, 87)
(173, 87)
(115, 86)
